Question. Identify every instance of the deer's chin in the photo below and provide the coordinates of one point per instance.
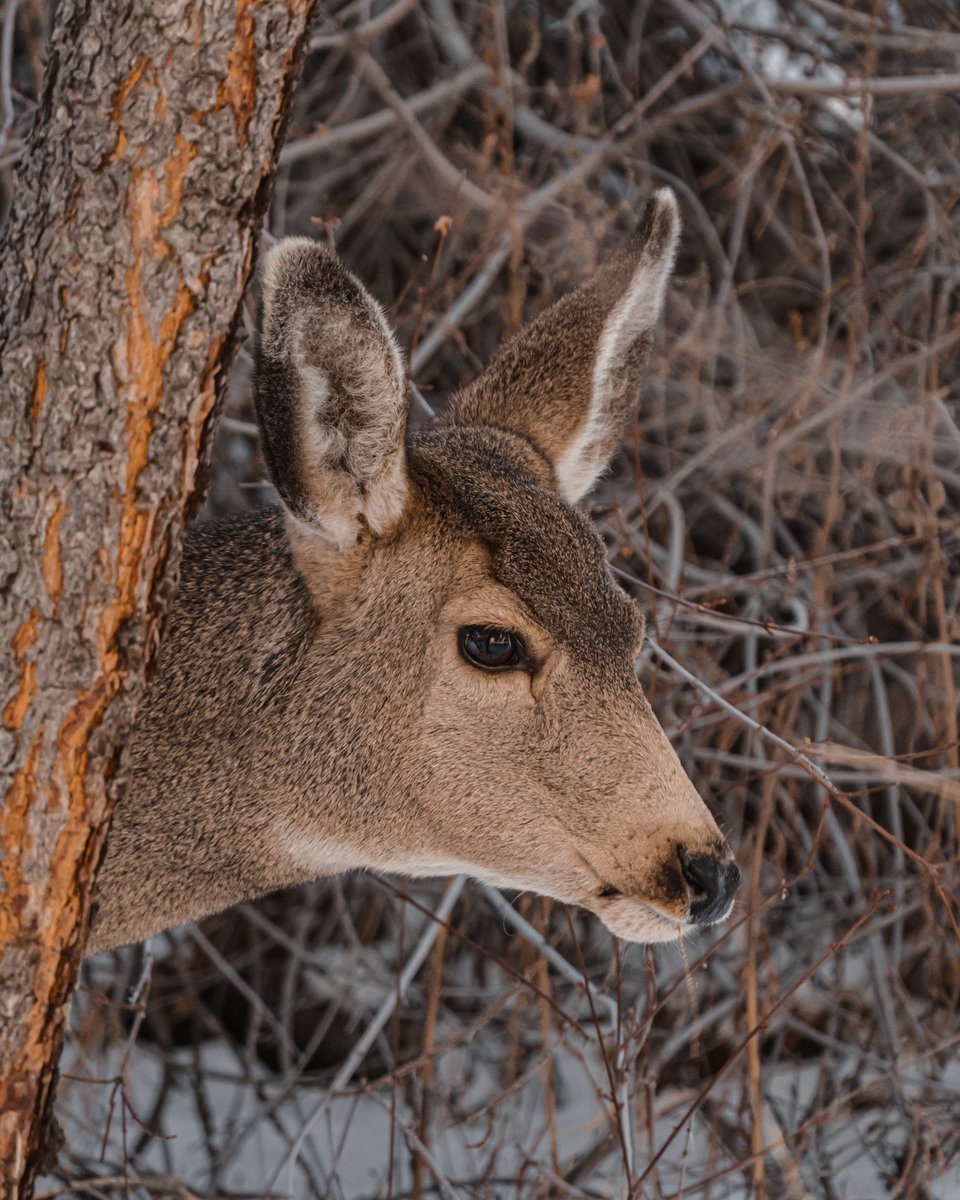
(635, 921)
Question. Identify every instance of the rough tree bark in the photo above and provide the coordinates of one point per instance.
(121, 273)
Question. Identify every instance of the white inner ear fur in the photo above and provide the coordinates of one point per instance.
(634, 314)
(358, 470)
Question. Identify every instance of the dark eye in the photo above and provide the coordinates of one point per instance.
(490, 648)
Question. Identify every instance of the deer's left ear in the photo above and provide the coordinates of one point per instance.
(570, 381)
(331, 396)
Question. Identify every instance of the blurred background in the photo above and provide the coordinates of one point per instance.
(786, 506)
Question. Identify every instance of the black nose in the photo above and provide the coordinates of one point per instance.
(712, 886)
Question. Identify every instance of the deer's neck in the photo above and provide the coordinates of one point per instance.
(212, 762)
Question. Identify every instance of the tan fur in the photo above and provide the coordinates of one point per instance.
(312, 712)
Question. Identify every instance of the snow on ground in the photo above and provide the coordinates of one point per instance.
(228, 1128)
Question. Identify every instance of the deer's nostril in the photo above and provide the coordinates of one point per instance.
(712, 886)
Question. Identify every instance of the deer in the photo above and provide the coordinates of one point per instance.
(419, 662)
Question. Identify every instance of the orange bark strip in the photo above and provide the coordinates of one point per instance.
(120, 148)
(174, 173)
(65, 895)
(70, 775)
(119, 100)
(39, 393)
(25, 637)
(143, 357)
(64, 337)
(127, 86)
(239, 88)
(51, 565)
(15, 809)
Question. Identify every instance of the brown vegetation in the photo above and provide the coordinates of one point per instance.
(789, 505)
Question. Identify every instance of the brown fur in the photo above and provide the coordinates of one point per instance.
(312, 712)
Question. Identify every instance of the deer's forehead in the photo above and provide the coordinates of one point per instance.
(546, 552)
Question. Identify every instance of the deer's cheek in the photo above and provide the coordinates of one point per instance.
(498, 693)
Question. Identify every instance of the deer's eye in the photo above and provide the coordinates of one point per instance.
(491, 649)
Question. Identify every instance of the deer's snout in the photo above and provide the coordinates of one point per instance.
(712, 884)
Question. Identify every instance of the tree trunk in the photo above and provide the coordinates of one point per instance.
(121, 274)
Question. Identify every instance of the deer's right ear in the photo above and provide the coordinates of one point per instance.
(330, 394)
(570, 381)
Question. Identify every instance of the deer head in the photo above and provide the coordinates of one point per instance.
(423, 664)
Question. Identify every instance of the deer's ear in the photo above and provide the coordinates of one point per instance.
(330, 394)
(570, 381)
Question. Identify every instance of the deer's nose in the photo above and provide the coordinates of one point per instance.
(712, 885)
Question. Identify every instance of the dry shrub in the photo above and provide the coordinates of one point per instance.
(786, 504)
